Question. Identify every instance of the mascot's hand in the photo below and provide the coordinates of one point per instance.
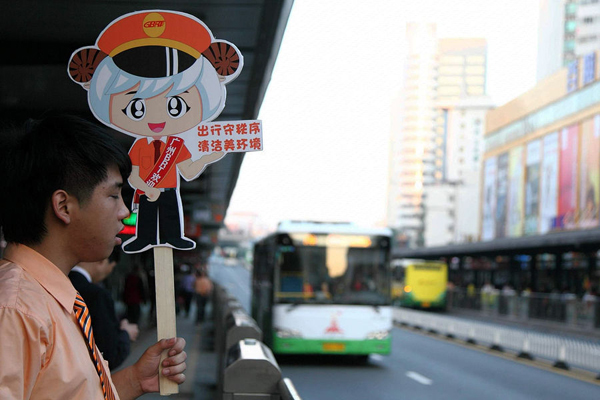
(152, 194)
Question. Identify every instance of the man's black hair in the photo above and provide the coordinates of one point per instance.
(58, 152)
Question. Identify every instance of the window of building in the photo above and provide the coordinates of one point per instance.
(452, 60)
(475, 60)
(448, 99)
(450, 80)
(451, 70)
(448, 90)
(475, 90)
(475, 80)
(475, 70)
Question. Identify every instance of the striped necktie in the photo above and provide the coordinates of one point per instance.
(85, 321)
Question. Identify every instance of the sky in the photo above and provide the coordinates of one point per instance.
(326, 114)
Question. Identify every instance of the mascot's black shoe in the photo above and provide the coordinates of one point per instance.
(181, 243)
(137, 245)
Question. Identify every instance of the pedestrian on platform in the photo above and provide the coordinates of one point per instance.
(203, 288)
(134, 293)
(187, 287)
(61, 205)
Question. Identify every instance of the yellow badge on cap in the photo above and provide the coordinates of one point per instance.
(154, 24)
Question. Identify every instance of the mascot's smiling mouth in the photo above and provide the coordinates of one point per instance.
(156, 128)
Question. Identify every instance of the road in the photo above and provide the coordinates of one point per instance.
(420, 367)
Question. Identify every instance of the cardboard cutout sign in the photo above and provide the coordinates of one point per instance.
(160, 76)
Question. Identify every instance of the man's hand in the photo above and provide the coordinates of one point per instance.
(142, 377)
(146, 369)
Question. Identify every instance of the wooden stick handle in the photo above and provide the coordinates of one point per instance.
(165, 309)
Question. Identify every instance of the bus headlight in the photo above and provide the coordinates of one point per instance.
(287, 333)
(379, 335)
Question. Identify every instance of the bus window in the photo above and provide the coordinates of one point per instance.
(290, 285)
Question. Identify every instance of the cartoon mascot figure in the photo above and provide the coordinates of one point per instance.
(154, 75)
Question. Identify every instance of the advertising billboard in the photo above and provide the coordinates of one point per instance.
(489, 199)
(549, 183)
(567, 177)
(501, 195)
(589, 173)
(515, 192)
(532, 187)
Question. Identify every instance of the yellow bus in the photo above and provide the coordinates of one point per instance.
(419, 283)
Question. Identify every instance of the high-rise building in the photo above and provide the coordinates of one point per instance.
(449, 205)
(412, 136)
(568, 29)
(587, 34)
(431, 144)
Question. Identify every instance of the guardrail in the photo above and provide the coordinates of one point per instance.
(246, 367)
(565, 309)
(564, 352)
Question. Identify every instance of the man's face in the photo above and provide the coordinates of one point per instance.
(156, 116)
(97, 222)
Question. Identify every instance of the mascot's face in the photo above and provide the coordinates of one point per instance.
(156, 116)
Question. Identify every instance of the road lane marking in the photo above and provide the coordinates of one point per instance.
(579, 374)
(376, 357)
(419, 378)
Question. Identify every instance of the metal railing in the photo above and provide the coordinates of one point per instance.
(246, 367)
(564, 352)
(565, 309)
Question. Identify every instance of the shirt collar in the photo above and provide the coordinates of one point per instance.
(151, 139)
(83, 272)
(45, 272)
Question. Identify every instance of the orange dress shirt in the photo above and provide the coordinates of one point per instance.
(43, 354)
(142, 155)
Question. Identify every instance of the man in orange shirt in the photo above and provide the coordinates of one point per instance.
(61, 204)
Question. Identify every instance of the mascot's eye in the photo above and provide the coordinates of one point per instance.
(136, 109)
(177, 107)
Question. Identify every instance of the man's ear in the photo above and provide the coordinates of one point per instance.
(61, 205)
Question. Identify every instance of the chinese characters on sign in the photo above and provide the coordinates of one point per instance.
(230, 136)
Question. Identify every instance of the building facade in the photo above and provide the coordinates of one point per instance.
(456, 197)
(542, 157)
(436, 129)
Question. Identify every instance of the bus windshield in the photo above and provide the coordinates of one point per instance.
(347, 270)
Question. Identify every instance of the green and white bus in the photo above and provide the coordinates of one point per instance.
(323, 288)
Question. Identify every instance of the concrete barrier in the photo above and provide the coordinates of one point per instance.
(246, 367)
(238, 326)
(251, 372)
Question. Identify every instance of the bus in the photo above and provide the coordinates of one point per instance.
(323, 288)
(419, 283)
